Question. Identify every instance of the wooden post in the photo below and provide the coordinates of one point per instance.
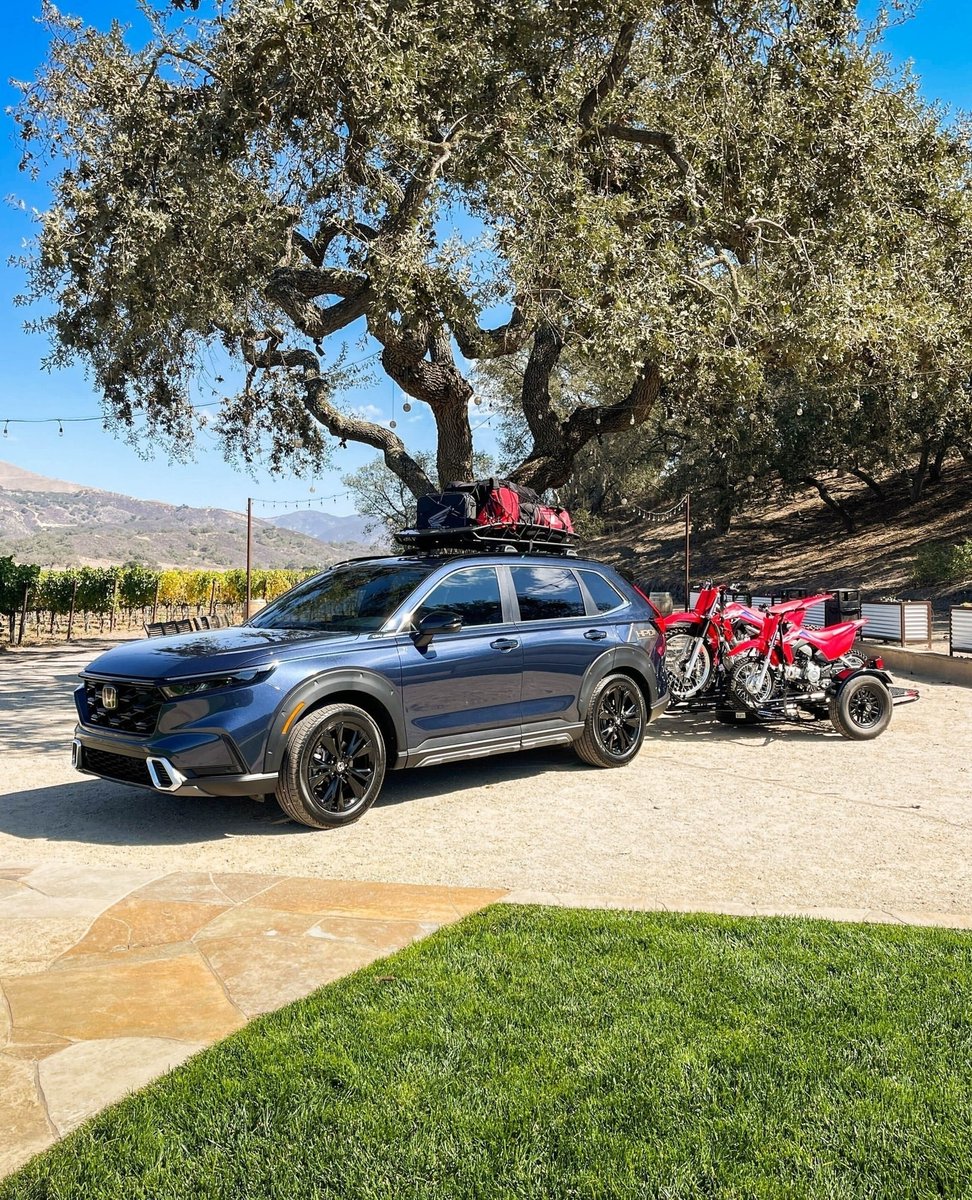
(212, 598)
(249, 555)
(23, 613)
(155, 601)
(688, 549)
(114, 602)
(74, 596)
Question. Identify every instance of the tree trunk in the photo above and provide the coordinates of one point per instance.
(872, 484)
(935, 471)
(722, 517)
(455, 445)
(920, 473)
(832, 503)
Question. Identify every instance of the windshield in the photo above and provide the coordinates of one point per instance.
(357, 598)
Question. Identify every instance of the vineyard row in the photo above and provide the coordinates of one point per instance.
(33, 597)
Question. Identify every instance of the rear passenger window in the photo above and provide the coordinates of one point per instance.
(472, 593)
(605, 595)
(545, 593)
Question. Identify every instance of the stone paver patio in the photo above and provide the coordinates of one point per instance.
(110, 977)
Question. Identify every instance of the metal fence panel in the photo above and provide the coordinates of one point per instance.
(883, 621)
(960, 631)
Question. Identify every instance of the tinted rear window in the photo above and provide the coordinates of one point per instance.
(605, 595)
(546, 593)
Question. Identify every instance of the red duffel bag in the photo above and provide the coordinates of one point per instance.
(554, 518)
(499, 506)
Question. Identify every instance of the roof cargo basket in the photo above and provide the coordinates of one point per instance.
(492, 539)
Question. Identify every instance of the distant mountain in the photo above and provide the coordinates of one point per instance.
(59, 524)
(16, 479)
(327, 526)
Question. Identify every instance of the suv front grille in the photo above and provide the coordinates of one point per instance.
(136, 708)
(116, 766)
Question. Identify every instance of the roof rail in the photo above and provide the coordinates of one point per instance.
(492, 539)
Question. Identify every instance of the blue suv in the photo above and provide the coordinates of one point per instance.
(380, 663)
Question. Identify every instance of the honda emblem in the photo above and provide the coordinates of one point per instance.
(109, 697)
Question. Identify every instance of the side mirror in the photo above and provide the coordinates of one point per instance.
(435, 623)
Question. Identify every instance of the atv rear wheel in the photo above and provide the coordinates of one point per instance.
(862, 708)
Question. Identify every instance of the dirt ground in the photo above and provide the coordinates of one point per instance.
(707, 816)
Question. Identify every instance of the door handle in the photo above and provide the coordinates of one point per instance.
(596, 635)
(505, 644)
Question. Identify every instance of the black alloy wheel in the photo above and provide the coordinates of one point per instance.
(333, 767)
(340, 768)
(862, 708)
(615, 726)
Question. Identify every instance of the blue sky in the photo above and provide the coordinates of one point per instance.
(938, 41)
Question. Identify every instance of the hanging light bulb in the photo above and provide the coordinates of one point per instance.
(632, 421)
(800, 411)
(393, 424)
(597, 420)
(60, 429)
(5, 425)
(477, 400)
(406, 407)
(312, 488)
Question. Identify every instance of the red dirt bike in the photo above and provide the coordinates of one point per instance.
(788, 672)
(697, 642)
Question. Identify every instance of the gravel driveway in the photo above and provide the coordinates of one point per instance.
(707, 815)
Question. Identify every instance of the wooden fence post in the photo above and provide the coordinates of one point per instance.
(74, 596)
(23, 613)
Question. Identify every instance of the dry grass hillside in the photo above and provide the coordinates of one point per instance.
(802, 543)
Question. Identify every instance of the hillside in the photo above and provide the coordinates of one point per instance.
(59, 524)
(802, 543)
(326, 526)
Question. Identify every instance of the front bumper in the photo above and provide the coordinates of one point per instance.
(151, 768)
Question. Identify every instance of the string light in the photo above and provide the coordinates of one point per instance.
(660, 516)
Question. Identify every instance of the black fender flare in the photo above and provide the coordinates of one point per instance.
(341, 680)
(621, 658)
(875, 672)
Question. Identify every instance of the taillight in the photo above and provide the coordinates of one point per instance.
(878, 663)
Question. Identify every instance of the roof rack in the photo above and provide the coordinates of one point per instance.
(492, 539)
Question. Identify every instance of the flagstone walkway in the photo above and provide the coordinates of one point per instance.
(110, 977)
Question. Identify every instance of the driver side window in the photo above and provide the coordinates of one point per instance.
(473, 593)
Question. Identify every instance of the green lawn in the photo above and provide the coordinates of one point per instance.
(557, 1053)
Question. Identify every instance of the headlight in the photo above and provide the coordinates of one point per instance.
(177, 688)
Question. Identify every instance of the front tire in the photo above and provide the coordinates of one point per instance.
(680, 644)
(333, 767)
(862, 708)
(614, 728)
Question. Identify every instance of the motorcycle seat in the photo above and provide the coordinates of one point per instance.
(825, 638)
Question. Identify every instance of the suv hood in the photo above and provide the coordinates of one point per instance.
(210, 652)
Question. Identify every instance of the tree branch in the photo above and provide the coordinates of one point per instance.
(341, 425)
(475, 342)
(612, 74)
(293, 290)
(659, 139)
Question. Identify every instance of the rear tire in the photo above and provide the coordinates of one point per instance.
(333, 767)
(862, 708)
(615, 725)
